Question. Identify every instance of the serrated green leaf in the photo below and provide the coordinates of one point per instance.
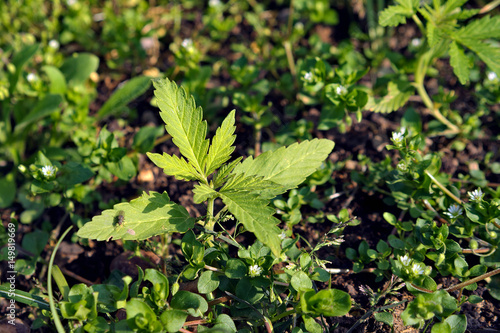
(397, 95)
(126, 93)
(265, 188)
(149, 215)
(395, 15)
(484, 28)
(287, 166)
(392, 16)
(255, 215)
(203, 192)
(221, 148)
(450, 5)
(175, 166)
(488, 53)
(183, 121)
(460, 62)
(224, 171)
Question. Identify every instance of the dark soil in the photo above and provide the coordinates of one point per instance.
(93, 263)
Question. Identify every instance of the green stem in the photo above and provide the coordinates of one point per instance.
(210, 215)
(423, 64)
(444, 189)
(471, 281)
(53, 309)
(284, 314)
(419, 23)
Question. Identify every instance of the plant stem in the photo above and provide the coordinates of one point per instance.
(444, 189)
(492, 5)
(210, 215)
(423, 64)
(53, 309)
(471, 281)
(419, 23)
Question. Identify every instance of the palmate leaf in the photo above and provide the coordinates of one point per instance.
(253, 212)
(395, 15)
(460, 62)
(221, 148)
(175, 166)
(484, 28)
(183, 121)
(149, 215)
(287, 166)
(224, 172)
(242, 182)
(488, 53)
(398, 94)
(203, 192)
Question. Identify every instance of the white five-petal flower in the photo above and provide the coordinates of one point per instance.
(454, 211)
(187, 43)
(282, 235)
(417, 269)
(341, 90)
(397, 137)
(254, 270)
(476, 195)
(492, 76)
(308, 76)
(405, 260)
(48, 171)
(31, 77)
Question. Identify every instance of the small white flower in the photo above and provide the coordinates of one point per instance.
(476, 195)
(417, 269)
(308, 76)
(454, 211)
(416, 42)
(282, 235)
(31, 77)
(48, 171)
(492, 76)
(214, 3)
(71, 2)
(341, 90)
(402, 166)
(254, 270)
(54, 44)
(405, 260)
(397, 137)
(187, 43)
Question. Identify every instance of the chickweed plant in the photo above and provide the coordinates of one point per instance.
(444, 236)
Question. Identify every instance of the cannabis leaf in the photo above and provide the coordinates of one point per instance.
(460, 62)
(221, 147)
(149, 215)
(183, 121)
(395, 15)
(398, 94)
(287, 166)
(252, 211)
(175, 166)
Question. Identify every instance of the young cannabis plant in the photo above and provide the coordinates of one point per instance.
(444, 34)
(245, 188)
